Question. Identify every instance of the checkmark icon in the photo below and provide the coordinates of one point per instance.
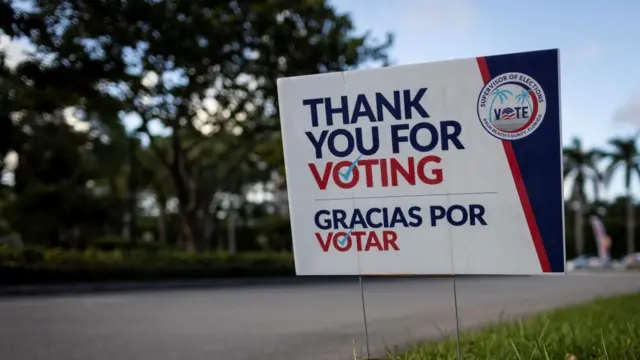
(343, 241)
(346, 174)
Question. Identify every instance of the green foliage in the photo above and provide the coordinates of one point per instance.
(37, 265)
(583, 167)
(607, 329)
(207, 126)
(198, 138)
(616, 230)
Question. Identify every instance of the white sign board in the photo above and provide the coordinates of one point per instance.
(450, 167)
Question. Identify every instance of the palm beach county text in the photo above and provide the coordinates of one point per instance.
(346, 128)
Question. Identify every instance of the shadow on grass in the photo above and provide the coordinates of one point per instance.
(605, 329)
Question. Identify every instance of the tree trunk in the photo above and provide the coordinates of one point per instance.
(184, 181)
(122, 221)
(579, 228)
(187, 226)
(162, 222)
(132, 203)
(207, 231)
(630, 224)
(125, 226)
(231, 230)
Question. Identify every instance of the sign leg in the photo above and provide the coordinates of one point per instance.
(364, 315)
(455, 306)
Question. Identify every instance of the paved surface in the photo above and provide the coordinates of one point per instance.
(274, 322)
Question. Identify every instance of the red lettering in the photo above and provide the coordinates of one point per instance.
(384, 174)
(437, 173)
(368, 169)
(358, 235)
(390, 169)
(342, 243)
(337, 177)
(346, 243)
(389, 237)
(408, 174)
(322, 182)
(324, 244)
(373, 241)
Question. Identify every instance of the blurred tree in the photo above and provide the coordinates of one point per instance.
(624, 156)
(9, 91)
(580, 166)
(157, 180)
(35, 115)
(54, 204)
(201, 73)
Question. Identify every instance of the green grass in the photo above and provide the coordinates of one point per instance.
(607, 329)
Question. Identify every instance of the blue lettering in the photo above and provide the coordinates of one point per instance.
(344, 110)
(522, 112)
(449, 134)
(458, 215)
(369, 216)
(396, 138)
(385, 217)
(398, 216)
(450, 130)
(436, 213)
(414, 214)
(477, 213)
(338, 218)
(375, 141)
(462, 210)
(357, 220)
(313, 103)
(317, 144)
(414, 103)
(361, 219)
(332, 143)
(394, 110)
(433, 136)
(333, 139)
(362, 108)
(324, 224)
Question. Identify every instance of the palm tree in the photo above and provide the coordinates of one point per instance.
(624, 155)
(523, 96)
(580, 165)
(502, 95)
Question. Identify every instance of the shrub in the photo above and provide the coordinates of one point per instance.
(57, 265)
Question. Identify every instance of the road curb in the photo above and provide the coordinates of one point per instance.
(78, 288)
(49, 289)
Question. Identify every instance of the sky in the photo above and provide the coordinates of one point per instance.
(599, 56)
(598, 43)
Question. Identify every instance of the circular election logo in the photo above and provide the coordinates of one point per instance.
(511, 106)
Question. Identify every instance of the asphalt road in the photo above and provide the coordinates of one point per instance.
(275, 322)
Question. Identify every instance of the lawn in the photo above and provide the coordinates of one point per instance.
(606, 329)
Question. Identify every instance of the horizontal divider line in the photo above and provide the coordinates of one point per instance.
(407, 196)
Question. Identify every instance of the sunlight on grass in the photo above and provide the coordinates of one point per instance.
(607, 329)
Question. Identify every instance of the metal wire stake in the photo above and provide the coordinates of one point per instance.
(364, 315)
(455, 306)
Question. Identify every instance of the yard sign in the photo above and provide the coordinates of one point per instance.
(435, 168)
